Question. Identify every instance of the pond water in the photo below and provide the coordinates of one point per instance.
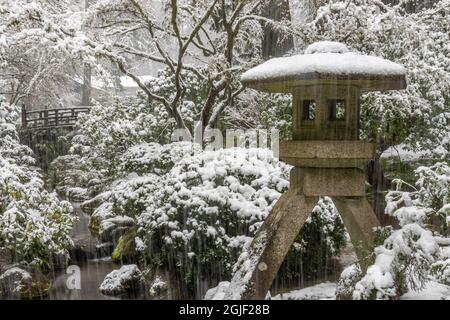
(94, 262)
(92, 274)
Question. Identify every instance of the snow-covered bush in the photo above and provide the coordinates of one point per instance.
(402, 262)
(208, 207)
(72, 177)
(142, 170)
(155, 158)
(419, 249)
(158, 287)
(350, 276)
(106, 132)
(126, 198)
(428, 203)
(109, 141)
(322, 237)
(441, 271)
(34, 224)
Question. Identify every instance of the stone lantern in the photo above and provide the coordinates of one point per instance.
(328, 157)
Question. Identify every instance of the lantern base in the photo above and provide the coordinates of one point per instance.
(276, 236)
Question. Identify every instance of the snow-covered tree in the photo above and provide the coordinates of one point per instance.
(407, 258)
(34, 223)
(36, 68)
(222, 36)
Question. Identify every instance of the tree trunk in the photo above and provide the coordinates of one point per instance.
(380, 184)
(274, 43)
(86, 88)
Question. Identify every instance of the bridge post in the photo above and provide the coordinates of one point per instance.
(46, 118)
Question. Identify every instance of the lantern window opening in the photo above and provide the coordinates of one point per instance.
(336, 109)
(309, 109)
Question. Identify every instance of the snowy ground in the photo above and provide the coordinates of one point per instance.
(322, 291)
(433, 291)
(325, 291)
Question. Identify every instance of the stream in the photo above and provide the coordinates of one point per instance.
(94, 261)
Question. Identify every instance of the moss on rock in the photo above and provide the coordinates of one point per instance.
(126, 247)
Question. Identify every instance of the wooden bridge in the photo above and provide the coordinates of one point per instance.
(42, 120)
(41, 131)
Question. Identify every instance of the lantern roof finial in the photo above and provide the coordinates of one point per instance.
(326, 47)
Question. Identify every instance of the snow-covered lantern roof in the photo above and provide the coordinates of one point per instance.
(326, 83)
(326, 62)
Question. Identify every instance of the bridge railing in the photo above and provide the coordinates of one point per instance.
(51, 118)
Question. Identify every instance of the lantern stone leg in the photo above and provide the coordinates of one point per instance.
(269, 247)
(273, 242)
(359, 220)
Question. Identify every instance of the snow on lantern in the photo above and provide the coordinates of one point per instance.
(326, 83)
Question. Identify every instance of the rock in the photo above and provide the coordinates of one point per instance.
(112, 229)
(125, 250)
(104, 249)
(77, 194)
(80, 253)
(126, 280)
(89, 206)
(115, 222)
(23, 283)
